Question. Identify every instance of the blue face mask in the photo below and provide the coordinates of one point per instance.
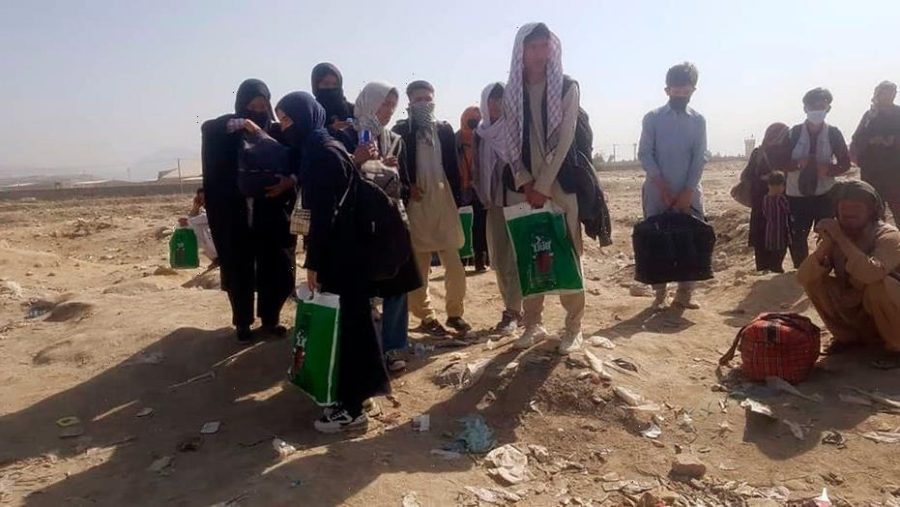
(816, 117)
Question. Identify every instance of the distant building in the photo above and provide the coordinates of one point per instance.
(749, 146)
(100, 183)
(186, 170)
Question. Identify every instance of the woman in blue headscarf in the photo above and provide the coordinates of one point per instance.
(333, 260)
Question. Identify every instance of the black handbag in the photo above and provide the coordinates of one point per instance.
(261, 161)
(673, 247)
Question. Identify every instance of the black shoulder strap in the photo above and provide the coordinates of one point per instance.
(834, 136)
(795, 134)
(335, 144)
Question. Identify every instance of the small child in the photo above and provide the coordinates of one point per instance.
(777, 213)
(200, 224)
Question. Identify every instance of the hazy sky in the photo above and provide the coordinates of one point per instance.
(103, 84)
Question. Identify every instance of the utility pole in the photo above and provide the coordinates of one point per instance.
(180, 182)
(634, 146)
(615, 159)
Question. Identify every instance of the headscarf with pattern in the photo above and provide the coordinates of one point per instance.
(514, 95)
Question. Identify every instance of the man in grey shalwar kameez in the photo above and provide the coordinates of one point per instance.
(673, 153)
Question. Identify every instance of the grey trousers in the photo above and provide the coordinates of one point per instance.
(503, 261)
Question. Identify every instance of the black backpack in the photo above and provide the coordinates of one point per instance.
(578, 176)
(378, 224)
(584, 135)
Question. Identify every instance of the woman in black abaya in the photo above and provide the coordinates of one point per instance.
(328, 88)
(252, 236)
(334, 260)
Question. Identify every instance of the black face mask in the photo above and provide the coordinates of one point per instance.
(332, 99)
(679, 103)
(472, 123)
(260, 119)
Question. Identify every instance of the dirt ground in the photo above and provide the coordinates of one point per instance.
(110, 335)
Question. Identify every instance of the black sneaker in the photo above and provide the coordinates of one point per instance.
(394, 362)
(433, 327)
(509, 324)
(340, 420)
(459, 324)
(244, 335)
(481, 262)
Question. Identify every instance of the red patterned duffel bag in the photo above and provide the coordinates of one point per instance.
(784, 345)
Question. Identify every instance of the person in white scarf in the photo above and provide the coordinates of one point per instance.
(514, 95)
(374, 108)
(490, 162)
(540, 108)
(819, 155)
(491, 153)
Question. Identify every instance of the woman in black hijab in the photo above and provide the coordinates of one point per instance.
(328, 88)
(334, 259)
(252, 236)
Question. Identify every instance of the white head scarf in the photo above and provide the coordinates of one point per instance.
(514, 96)
(492, 146)
(366, 108)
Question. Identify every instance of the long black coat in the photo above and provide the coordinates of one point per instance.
(229, 218)
(333, 253)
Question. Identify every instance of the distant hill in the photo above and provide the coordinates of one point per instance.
(149, 166)
(10, 180)
(145, 168)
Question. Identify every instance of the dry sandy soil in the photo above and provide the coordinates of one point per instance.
(109, 338)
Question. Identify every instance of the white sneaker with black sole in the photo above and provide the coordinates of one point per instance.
(571, 342)
(530, 337)
(338, 421)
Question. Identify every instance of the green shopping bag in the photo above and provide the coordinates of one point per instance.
(467, 218)
(183, 250)
(545, 256)
(314, 363)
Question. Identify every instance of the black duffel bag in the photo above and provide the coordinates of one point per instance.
(673, 247)
(261, 160)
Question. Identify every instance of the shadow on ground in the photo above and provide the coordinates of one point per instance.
(238, 462)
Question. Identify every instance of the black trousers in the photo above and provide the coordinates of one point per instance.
(479, 229)
(806, 213)
(361, 370)
(256, 262)
(272, 269)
